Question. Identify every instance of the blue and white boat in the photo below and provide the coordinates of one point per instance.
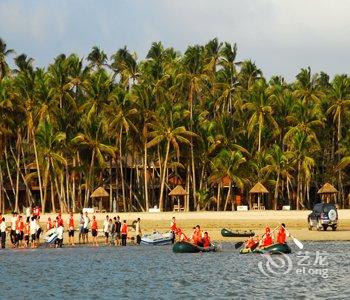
(157, 238)
(51, 236)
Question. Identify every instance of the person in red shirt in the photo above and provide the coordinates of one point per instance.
(124, 232)
(26, 234)
(267, 240)
(49, 224)
(71, 229)
(197, 236)
(206, 240)
(59, 220)
(19, 231)
(281, 235)
(173, 229)
(182, 235)
(94, 231)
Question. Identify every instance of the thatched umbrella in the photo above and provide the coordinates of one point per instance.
(177, 192)
(100, 193)
(326, 191)
(258, 189)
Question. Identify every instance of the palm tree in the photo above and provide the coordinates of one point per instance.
(279, 164)
(164, 132)
(4, 52)
(227, 164)
(339, 94)
(97, 58)
(261, 111)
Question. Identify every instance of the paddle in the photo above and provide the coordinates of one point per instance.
(295, 240)
(239, 244)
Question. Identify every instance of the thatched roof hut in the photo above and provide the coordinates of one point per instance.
(178, 191)
(327, 188)
(258, 189)
(99, 193)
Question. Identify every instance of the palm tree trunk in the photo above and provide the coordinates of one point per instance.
(298, 187)
(46, 176)
(187, 197)
(89, 181)
(110, 186)
(276, 192)
(9, 172)
(218, 197)
(340, 180)
(259, 138)
(228, 195)
(52, 196)
(73, 185)
(38, 170)
(145, 176)
(161, 198)
(121, 169)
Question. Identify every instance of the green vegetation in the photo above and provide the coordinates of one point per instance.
(203, 118)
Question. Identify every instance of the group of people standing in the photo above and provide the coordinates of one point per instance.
(22, 231)
(25, 233)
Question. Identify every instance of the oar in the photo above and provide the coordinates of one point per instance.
(239, 244)
(295, 240)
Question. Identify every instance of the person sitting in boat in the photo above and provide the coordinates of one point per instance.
(182, 235)
(251, 243)
(206, 240)
(281, 235)
(267, 239)
(197, 236)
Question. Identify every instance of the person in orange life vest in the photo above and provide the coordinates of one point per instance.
(71, 229)
(124, 232)
(19, 230)
(206, 240)
(94, 231)
(281, 235)
(26, 234)
(198, 236)
(267, 240)
(49, 224)
(59, 219)
(182, 235)
(173, 229)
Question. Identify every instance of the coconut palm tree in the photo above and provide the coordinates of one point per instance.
(4, 52)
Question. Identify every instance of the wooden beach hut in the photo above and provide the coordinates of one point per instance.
(100, 193)
(327, 192)
(175, 194)
(259, 190)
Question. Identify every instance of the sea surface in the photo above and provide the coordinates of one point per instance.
(320, 271)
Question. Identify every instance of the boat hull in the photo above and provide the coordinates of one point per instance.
(228, 233)
(158, 239)
(273, 249)
(186, 247)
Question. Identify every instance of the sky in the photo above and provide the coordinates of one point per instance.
(280, 36)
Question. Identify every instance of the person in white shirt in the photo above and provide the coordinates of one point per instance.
(86, 228)
(105, 229)
(59, 232)
(3, 232)
(33, 230)
(13, 235)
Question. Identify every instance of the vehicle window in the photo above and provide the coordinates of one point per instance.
(318, 208)
(327, 208)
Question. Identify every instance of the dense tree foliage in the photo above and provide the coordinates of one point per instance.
(201, 118)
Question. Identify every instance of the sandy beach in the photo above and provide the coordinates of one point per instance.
(213, 222)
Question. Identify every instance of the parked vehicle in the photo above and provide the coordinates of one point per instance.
(323, 215)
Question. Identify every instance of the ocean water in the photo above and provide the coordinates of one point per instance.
(320, 271)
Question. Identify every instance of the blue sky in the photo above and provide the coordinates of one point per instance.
(281, 36)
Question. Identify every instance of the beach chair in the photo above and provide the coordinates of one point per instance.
(255, 206)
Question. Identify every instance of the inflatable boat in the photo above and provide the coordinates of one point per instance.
(273, 249)
(187, 247)
(51, 236)
(157, 238)
(228, 233)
